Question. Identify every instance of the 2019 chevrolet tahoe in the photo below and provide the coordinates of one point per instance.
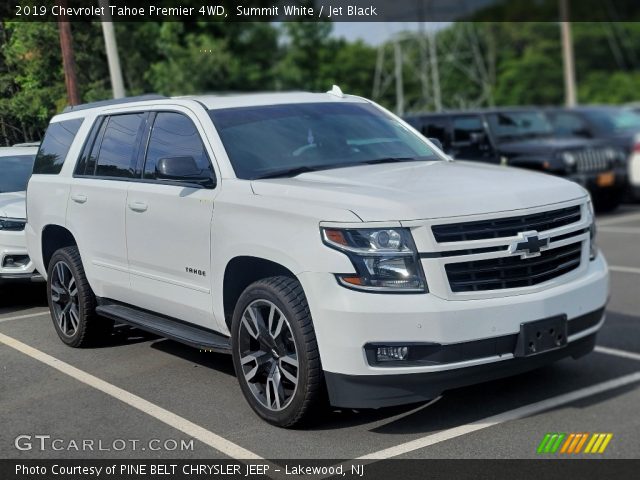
(320, 240)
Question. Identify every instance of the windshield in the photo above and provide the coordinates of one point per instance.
(515, 125)
(15, 172)
(614, 120)
(277, 140)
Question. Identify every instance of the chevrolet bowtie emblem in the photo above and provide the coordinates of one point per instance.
(529, 245)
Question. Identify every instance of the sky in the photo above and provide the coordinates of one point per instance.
(375, 33)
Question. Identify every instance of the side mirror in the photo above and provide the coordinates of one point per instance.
(436, 142)
(183, 169)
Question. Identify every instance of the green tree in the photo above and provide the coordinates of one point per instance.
(307, 50)
(351, 65)
(189, 63)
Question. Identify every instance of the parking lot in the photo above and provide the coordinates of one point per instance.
(143, 388)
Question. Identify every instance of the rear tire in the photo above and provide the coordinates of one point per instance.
(72, 303)
(275, 353)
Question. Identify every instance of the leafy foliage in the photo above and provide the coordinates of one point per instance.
(523, 62)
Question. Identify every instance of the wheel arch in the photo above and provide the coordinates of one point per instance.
(242, 271)
(53, 238)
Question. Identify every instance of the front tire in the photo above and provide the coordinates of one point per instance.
(71, 301)
(275, 353)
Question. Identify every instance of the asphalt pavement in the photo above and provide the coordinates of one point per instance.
(141, 396)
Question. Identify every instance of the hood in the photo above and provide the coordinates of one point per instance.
(544, 145)
(624, 140)
(422, 190)
(13, 205)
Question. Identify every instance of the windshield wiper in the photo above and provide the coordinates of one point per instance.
(390, 160)
(292, 172)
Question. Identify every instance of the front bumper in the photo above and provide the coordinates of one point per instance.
(33, 277)
(591, 180)
(346, 321)
(368, 391)
(13, 244)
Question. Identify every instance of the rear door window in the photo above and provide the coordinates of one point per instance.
(118, 152)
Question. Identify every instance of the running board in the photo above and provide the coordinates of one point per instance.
(177, 330)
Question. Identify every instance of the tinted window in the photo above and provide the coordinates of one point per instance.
(119, 147)
(15, 172)
(464, 128)
(269, 140)
(569, 124)
(435, 128)
(55, 146)
(614, 120)
(515, 125)
(92, 155)
(174, 135)
(87, 163)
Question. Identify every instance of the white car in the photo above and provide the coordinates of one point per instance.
(634, 169)
(317, 238)
(16, 164)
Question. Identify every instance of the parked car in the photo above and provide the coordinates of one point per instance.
(16, 164)
(619, 126)
(318, 239)
(524, 137)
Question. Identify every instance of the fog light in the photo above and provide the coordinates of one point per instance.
(387, 354)
(15, 261)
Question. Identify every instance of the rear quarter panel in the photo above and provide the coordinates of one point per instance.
(47, 195)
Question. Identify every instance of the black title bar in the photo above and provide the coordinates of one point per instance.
(534, 469)
(322, 10)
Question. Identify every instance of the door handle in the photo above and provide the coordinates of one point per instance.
(78, 198)
(138, 206)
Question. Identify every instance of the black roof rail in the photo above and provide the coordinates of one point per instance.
(113, 101)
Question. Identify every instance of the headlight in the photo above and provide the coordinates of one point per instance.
(569, 159)
(12, 224)
(385, 260)
(614, 154)
(593, 247)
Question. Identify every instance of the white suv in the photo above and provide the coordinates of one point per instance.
(318, 238)
(16, 164)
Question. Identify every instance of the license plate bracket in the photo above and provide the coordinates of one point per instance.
(606, 179)
(541, 336)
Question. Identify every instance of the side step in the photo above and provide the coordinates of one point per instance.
(177, 330)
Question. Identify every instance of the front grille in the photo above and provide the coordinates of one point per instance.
(506, 227)
(513, 271)
(592, 160)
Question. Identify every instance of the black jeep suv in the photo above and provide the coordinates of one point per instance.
(524, 137)
(619, 126)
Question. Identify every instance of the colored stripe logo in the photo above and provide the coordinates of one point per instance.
(573, 443)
